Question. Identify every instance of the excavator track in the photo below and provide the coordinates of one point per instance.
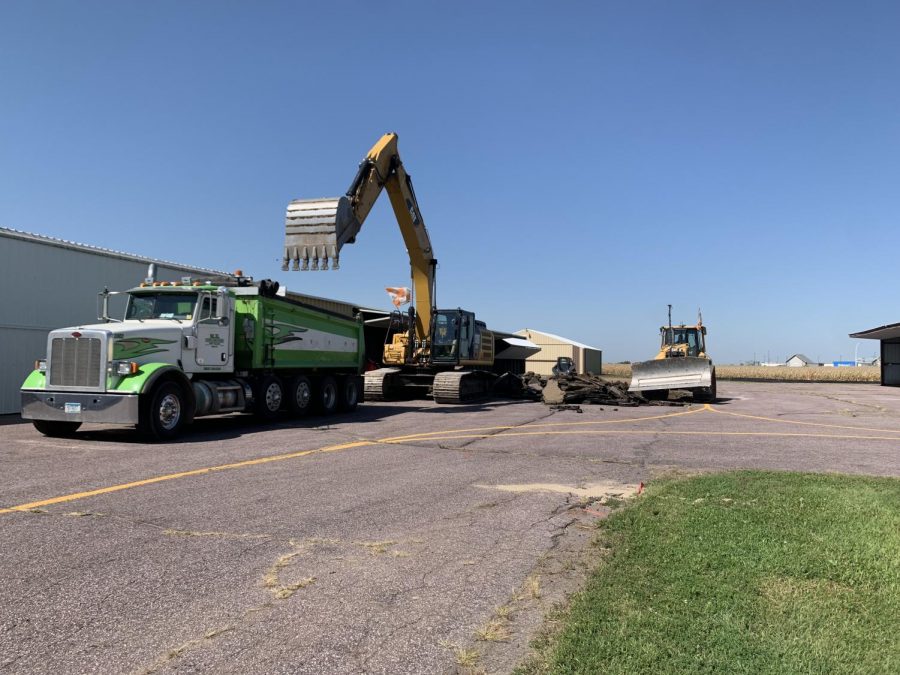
(460, 386)
(379, 384)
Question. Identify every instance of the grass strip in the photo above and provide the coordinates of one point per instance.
(753, 572)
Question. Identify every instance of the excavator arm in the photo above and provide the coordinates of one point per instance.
(317, 229)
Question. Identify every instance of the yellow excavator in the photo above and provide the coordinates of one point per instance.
(443, 351)
(682, 363)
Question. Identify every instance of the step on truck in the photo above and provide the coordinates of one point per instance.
(188, 349)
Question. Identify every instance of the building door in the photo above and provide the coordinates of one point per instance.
(890, 363)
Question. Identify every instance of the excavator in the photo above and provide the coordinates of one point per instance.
(682, 363)
(446, 352)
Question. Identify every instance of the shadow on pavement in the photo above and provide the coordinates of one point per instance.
(14, 418)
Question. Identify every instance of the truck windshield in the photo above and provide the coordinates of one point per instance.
(161, 306)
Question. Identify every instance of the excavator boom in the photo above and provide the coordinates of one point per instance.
(317, 229)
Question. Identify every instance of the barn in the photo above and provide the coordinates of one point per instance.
(587, 359)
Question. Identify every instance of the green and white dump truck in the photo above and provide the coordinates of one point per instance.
(192, 348)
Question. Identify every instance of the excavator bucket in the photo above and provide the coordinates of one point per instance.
(687, 372)
(315, 230)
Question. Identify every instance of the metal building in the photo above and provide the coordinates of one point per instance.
(889, 336)
(49, 283)
(587, 359)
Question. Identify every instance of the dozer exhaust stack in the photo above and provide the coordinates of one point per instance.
(315, 230)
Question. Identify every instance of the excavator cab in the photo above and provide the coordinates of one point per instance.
(452, 333)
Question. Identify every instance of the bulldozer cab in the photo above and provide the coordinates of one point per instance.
(690, 339)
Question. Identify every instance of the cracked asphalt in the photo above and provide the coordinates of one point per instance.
(382, 542)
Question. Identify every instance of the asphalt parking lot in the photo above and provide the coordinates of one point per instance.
(379, 542)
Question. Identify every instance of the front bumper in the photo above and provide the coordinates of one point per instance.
(67, 406)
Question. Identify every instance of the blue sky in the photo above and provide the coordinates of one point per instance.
(579, 165)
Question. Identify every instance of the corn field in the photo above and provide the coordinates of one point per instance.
(773, 373)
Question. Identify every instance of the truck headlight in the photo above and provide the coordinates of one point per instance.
(41, 365)
(126, 368)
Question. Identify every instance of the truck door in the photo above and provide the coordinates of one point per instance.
(214, 333)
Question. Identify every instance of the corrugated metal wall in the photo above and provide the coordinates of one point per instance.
(591, 361)
(44, 286)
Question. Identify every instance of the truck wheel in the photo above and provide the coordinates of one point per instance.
(269, 397)
(348, 393)
(163, 417)
(56, 429)
(327, 395)
(300, 400)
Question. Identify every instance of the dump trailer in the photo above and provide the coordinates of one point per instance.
(681, 363)
(187, 349)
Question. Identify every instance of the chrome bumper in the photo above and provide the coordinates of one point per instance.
(102, 408)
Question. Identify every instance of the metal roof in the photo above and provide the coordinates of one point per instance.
(888, 332)
(802, 357)
(342, 306)
(98, 250)
(552, 336)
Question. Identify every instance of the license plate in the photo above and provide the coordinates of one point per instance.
(73, 407)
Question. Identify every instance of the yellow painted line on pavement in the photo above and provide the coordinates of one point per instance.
(183, 474)
(803, 422)
(427, 434)
(648, 432)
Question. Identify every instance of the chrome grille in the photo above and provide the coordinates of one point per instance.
(75, 362)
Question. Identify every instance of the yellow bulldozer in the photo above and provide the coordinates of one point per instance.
(681, 363)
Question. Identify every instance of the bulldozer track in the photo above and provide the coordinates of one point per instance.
(461, 386)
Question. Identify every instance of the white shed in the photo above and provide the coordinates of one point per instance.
(800, 360)
(587, 359)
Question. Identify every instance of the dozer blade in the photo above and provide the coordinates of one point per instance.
(315, 230)
(689, 372)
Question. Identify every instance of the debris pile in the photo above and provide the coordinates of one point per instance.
(573, 389)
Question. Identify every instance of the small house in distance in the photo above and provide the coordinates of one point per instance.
(587, 359)
(800, 360)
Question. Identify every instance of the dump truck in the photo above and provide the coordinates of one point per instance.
(444, 352)
(192, 348)
(681, 363)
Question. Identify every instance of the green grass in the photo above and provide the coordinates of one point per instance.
(745, 572)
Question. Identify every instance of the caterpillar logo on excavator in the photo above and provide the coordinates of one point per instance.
(681, 363)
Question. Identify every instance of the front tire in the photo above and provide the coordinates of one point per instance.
(164, 416)
(55, 429)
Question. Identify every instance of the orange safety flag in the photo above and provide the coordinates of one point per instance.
(399, 296)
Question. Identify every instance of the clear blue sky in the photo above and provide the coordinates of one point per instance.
(579, 165)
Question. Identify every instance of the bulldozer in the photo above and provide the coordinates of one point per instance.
(682, 363)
